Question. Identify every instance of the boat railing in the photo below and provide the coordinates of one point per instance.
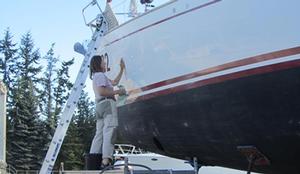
(103, 17)
(96, 19)
(125, 149)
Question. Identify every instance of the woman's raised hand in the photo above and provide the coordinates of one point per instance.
(122, 64)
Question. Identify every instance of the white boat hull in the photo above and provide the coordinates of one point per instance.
(197, 73)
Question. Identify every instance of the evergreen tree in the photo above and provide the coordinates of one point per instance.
(85, 121)
(61, 94)
(62, 87)
(79, 135)
(23, 132)
(48, 87)
(19, 148)
(8, 61)
(70, 153)
(28, 134)
(26, 138)
(47, 103)
(28, 65)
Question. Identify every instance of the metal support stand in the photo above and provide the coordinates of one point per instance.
(250, 165)
(196, 165)
(126, 168)
(254, 157)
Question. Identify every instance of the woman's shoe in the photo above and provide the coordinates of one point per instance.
(109, 163)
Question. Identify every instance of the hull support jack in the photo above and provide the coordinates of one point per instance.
(196, 165)
(254, 157)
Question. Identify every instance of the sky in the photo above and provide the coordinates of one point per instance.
(56, 21)
(61, 22)
(49, 21)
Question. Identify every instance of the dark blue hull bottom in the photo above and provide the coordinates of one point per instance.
(210, 122)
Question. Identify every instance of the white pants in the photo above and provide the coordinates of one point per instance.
(107, 122)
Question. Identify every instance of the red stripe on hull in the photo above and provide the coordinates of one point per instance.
(234, 64)
(219, 79)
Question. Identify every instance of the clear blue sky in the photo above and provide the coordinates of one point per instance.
(49, 21)
(60, 22)
(54, 21)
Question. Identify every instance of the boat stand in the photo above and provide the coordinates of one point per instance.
(196, 165)
(254, 157)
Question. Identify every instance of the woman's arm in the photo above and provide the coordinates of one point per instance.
(108, 92)
(118, 78)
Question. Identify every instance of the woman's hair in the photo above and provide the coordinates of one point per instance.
(95, 65)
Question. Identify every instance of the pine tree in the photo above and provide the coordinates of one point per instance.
(70, 153)
(8, 61)
(61, 94)
(46, 107)
(28, 134)
(79, 135)
(23, 130)
(34, 127)
(85, 121)
(62, 87)
(28, 66)
(26, 138)
(47, 102)
(7, 68)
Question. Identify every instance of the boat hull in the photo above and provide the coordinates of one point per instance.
(207, 76)
(209, 119)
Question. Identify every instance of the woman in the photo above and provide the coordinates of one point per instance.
(106, 110)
